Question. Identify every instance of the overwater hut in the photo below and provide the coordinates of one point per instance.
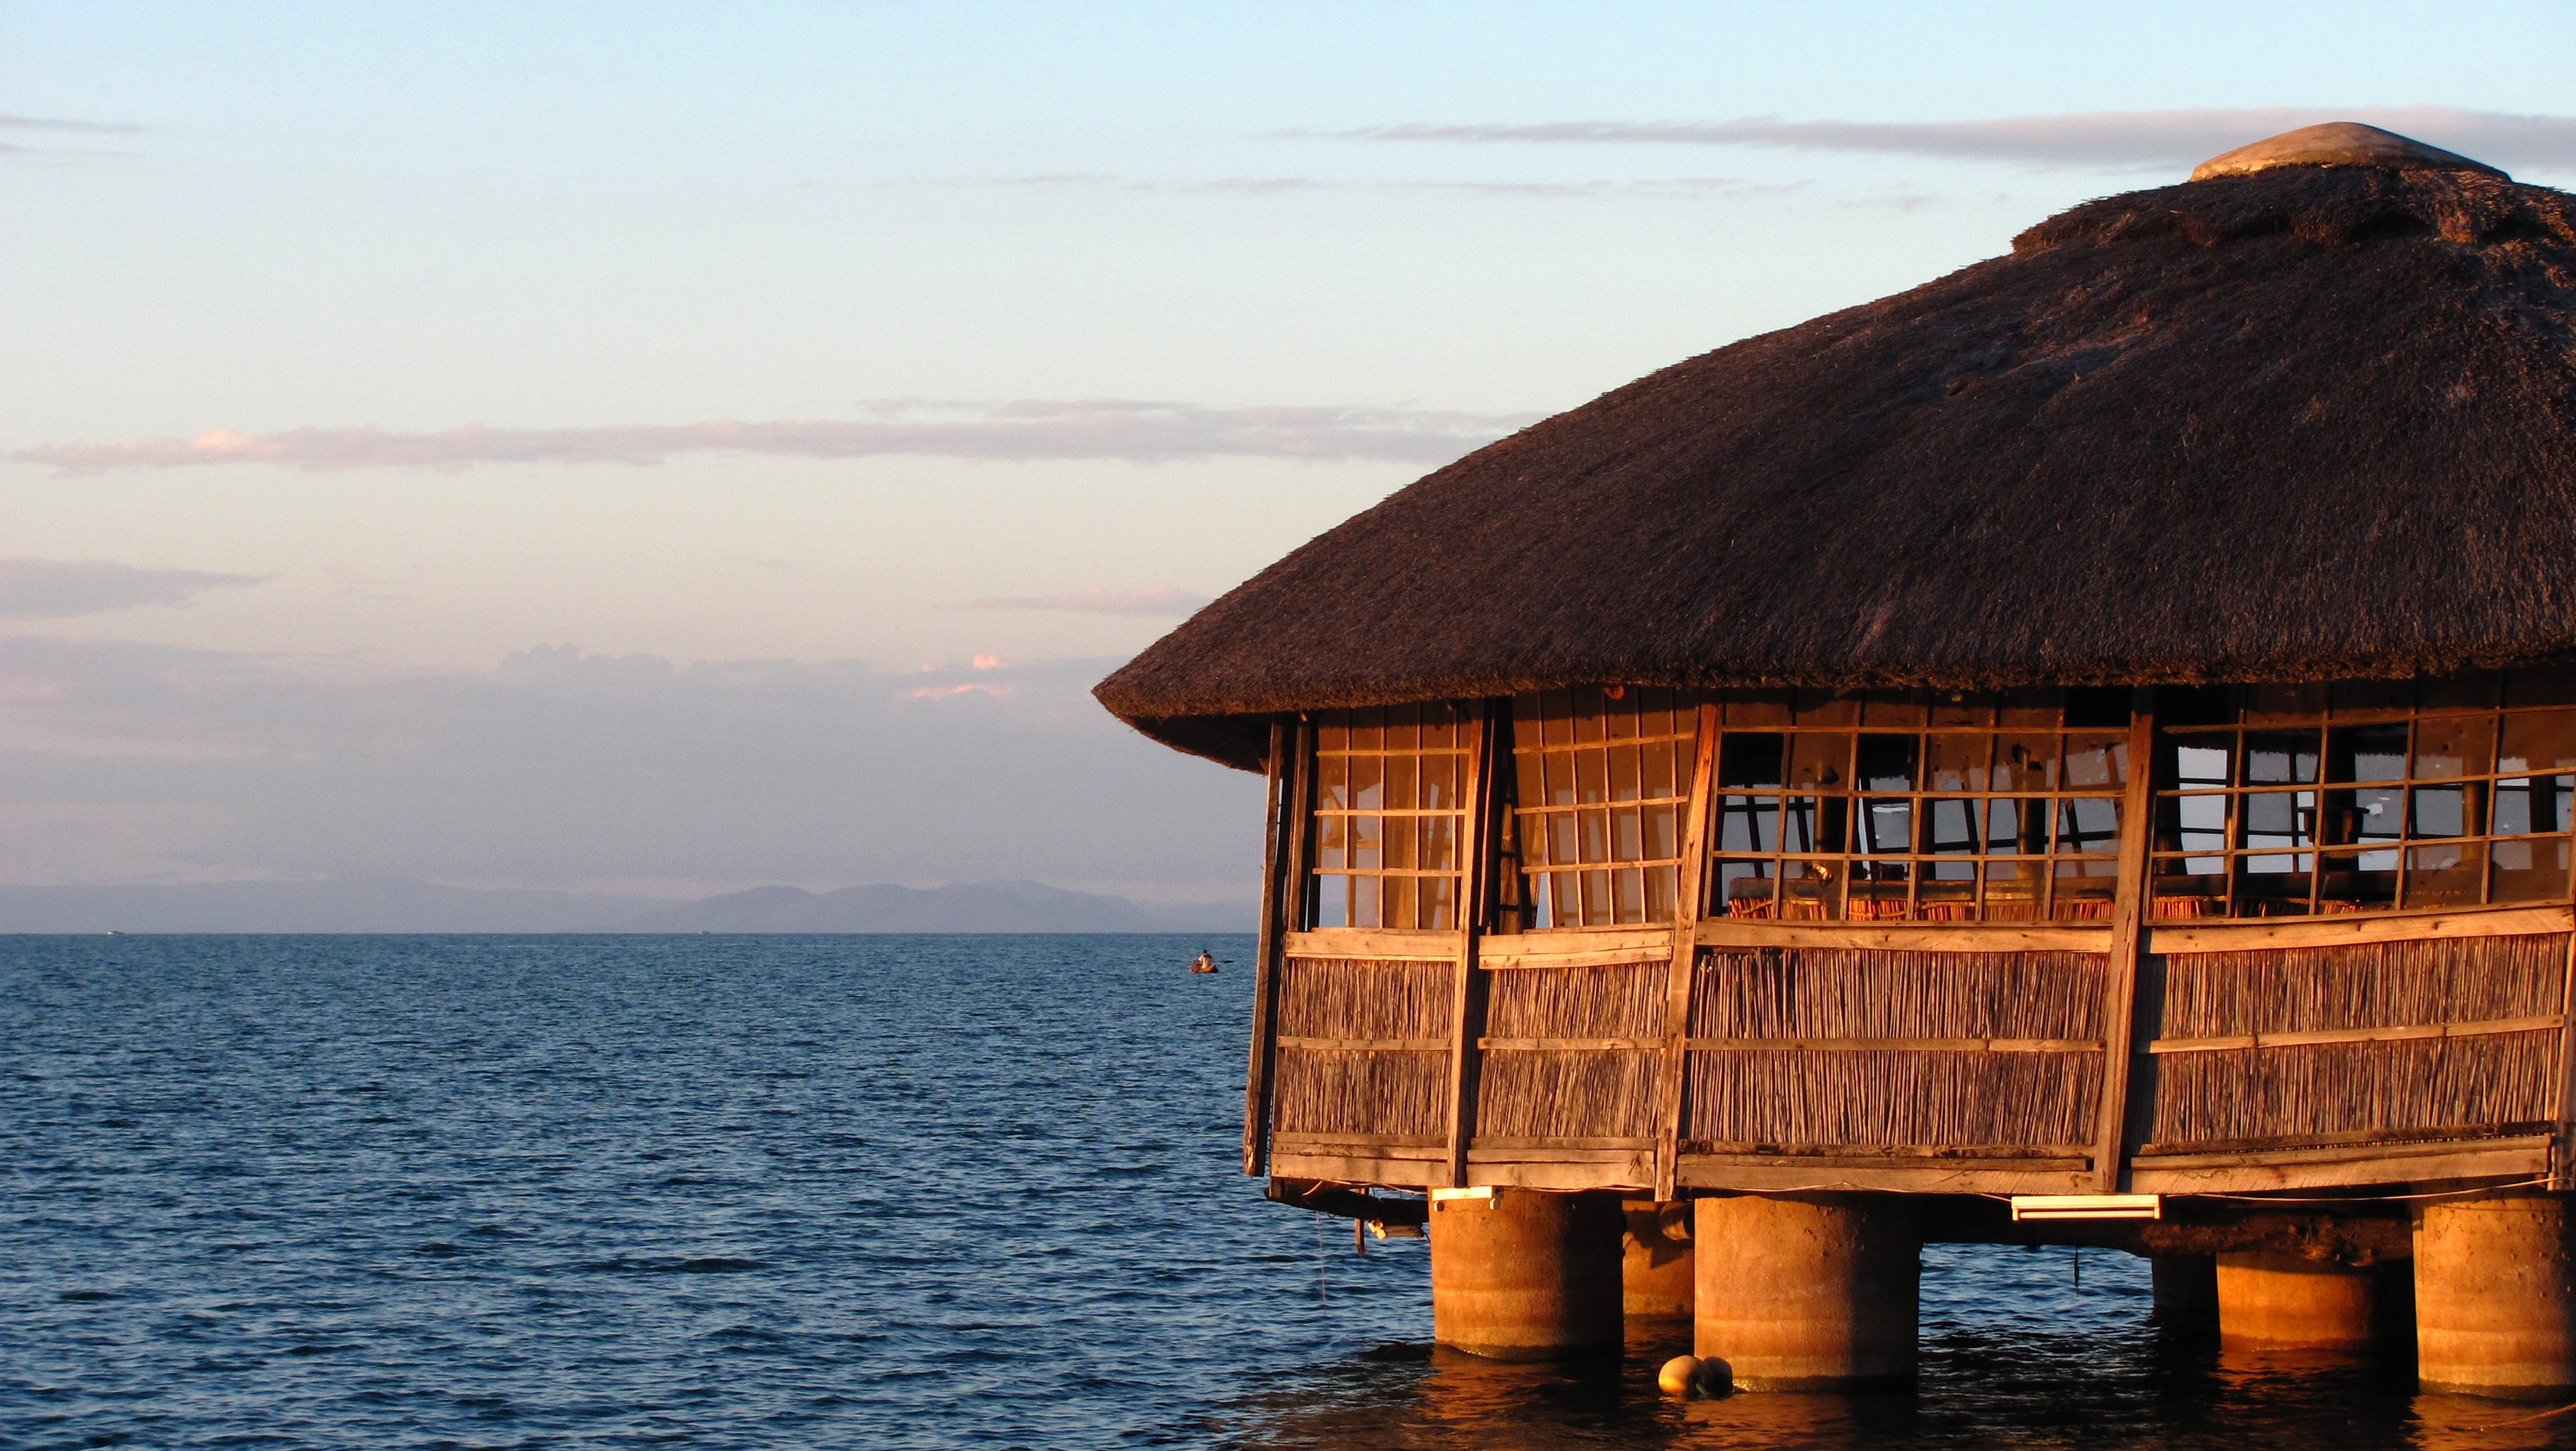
(2096, 730)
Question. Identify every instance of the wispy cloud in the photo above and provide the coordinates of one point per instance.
(50, 127)
(1131, 430)
(124, 762)
(1670, 187)
(54, 123)
(53, 589)
(2117, 140)
(1159, 600)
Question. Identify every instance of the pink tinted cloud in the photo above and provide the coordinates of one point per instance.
(1156, 600)
(2113, 139)
(1121, 429)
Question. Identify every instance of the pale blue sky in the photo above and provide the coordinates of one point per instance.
(929, 241)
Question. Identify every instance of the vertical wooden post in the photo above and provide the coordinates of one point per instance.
(1690, 893)
(1467, 996)
(2562, 1142)
(1283, 882)
(2129, 926)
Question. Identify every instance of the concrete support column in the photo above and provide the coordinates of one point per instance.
(1526, 1275)
(2495, 1297)
(2186, 1286)
(1655, 1272)
(2274, 1301)
(1807, 1291)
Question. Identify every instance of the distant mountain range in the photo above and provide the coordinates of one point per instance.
(404, 906)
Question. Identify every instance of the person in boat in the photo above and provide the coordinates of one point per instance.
(1204, 962)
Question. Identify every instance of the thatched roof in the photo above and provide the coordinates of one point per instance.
(2316, 419)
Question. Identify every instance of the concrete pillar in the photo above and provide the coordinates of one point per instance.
(1807, 1291)
(2274, 1301)
(1655, 1270)
(1526, 1275)
(2495, 1297)
(2186, 1286)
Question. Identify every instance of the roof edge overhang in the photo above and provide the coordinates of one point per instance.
(1235, 732)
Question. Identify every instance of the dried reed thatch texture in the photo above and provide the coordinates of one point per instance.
(2364, 985)
(1624, 1001)
(1333, 997)
(2305, 423)
(1852, 993)
(1894, 1098)
(1403, 1092)
(2415, 1086)
(1337, 1091)
(1549, 1093)
(1811, 1101)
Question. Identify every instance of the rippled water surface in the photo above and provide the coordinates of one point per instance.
(846, 1191)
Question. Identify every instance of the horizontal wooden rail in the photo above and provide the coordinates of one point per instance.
(1366, 942)
(1368, 1045)
(1572, 1045)
(1509, 961)
(1904, 936)
(2487, 1028)
(2252, 936)
(1895, 1045)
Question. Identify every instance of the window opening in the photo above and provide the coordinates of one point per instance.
(1390, 817)
(1924, 807)
(1601, 779)
(2297, 800)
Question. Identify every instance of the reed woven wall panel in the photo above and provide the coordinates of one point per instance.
(1334, 997)
(1808, 992)
(1892, 1099)
(1341, 1091)
(1548, 1094)
(1577, 1002)
(2363, 985)
(2336, 1089)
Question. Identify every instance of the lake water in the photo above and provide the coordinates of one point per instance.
(847, 1191)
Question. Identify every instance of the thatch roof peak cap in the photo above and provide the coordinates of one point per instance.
(2339, 143)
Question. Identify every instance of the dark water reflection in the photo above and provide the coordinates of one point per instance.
(862, 1192)
(2014, 1355)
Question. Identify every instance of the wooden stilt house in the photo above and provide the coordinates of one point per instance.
(2101, 720)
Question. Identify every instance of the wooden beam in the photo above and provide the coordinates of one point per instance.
(2341, 1168)
(1895, 1045)
(2359, 927)
(2562, 1139)
(2554, 1022)
(1577, 947)
(2391, 1141)
(1418, 1145)
(1467, 997)
(1782, 1176)
(1903, 936)
(2128, 940)
(1368, 1045)
(1366, 943)
(1690, 895)
(1279, 893)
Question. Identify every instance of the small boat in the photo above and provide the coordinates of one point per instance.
(1203, 962)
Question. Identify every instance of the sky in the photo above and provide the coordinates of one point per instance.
(670, 449)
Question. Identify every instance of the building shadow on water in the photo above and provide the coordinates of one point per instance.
(2013, 1356)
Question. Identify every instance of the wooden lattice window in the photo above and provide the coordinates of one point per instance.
(1390, 817)
(2381, 795)
(1601, 778)
(1907, 806)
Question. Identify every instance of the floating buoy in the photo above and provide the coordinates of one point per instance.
(1679, 1376)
